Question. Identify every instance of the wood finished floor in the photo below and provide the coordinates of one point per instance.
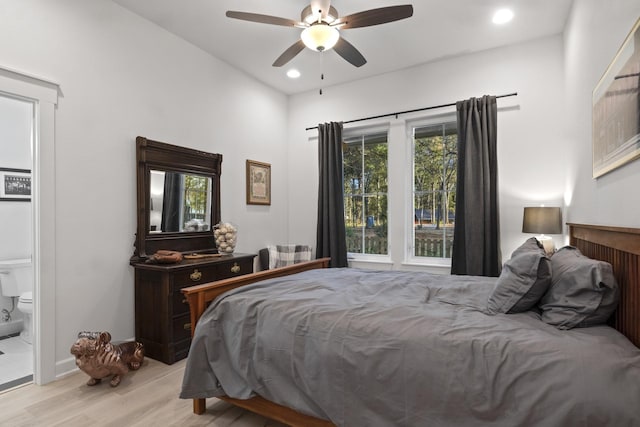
(147, 397)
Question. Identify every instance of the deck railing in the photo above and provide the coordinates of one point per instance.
(424, 246)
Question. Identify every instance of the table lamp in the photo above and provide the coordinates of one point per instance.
(543, 220)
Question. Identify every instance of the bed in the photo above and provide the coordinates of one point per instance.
(503, 369)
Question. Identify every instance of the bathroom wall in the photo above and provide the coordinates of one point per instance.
(15, 153)
(15, 217)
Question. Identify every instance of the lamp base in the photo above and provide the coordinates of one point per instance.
(547, 243)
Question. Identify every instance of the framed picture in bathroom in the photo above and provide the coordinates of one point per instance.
(15, 185)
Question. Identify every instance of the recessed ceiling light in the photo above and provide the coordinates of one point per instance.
(293, 73)
(502, 16)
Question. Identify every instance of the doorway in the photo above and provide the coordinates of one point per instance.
(41, 97)
(16, 248)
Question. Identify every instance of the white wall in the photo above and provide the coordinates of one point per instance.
(120, 77)
(594, 34)
(531, 144)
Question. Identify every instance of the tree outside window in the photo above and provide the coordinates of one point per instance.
(435, 159)
(365, 193)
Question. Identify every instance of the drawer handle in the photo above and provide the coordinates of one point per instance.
(187, 326)
(235, 268)
(184, 301)
(196, 275)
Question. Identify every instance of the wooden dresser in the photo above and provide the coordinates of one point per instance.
(161, 311)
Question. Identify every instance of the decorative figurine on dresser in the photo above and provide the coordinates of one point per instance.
(178, 206)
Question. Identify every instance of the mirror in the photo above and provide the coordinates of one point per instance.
(180, 202)
(178, 198)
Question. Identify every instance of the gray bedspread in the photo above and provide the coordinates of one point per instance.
(391, 348)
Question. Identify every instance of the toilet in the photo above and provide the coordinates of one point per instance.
(16, 280)
(25, 305)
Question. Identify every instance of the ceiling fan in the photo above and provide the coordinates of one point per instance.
(321, 25)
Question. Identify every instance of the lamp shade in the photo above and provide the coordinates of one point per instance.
(542, 220)
(320, 37)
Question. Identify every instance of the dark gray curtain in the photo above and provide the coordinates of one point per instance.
(476, 237)
(171, 202)
(331, 240)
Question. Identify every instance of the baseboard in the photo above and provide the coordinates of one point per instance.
(65, 367)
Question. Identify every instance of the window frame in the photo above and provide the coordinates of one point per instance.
(409, 236)
(363, 131)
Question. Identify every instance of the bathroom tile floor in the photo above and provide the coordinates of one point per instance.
(16, 364)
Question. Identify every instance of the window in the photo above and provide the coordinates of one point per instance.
(365, 192)
(435, 160)
(424, 188)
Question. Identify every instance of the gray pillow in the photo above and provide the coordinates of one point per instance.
(523, 281)
(583, 291)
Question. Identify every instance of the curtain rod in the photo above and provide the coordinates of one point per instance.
(410, 111)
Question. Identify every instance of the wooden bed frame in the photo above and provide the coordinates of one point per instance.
(616, 245)
(199, 298)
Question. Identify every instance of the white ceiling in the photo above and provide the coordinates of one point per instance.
(437, 29)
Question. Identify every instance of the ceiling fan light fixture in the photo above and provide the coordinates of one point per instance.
(320, 37)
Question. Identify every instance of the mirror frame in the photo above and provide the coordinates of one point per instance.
(155, 155)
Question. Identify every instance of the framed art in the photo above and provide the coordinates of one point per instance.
(15, 185)
(258, 183)
(616, 109)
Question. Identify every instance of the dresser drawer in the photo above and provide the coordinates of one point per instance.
(180, 304)
(181, 328)
(233, 269)
(195, 276)
(205, 275)
(190, 277)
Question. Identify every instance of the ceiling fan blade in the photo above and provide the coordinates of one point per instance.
(289, 54)
(263, 19)
(349, 52)
(322, 6)
(374, 17)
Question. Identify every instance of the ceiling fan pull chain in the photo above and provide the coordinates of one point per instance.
(321, 70)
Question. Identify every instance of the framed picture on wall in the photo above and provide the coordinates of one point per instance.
(258, 183)
(616, 109)
(15, 185)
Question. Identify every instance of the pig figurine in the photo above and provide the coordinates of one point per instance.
(98, 358)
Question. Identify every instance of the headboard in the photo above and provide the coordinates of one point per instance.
(621, 248)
